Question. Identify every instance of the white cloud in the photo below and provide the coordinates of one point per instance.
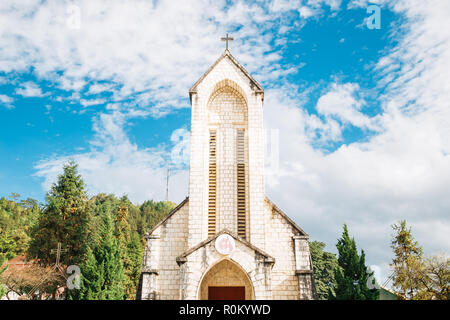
(140, 50)
(333, 4)
(307, 12)
(99, 88)
(133, 46)
(115, 165)
(6, 101)
(340, 102)
(29, 89)
(364, 3)
(402, 172)
(92, 102)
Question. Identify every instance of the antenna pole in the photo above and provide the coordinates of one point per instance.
(167, 183)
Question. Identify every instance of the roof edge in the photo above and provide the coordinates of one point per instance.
(228, 54)
(223, 231)
(171, 213)
(286, 217)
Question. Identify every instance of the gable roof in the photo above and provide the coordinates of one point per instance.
(227, 54)
(171, 213)
(274, 207)
(285, 216)
(268, 258)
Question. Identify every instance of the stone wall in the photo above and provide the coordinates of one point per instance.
(275, 257)
(280, 244)
(227, 111)
(196, 265)
(225, 73)
(161, 274)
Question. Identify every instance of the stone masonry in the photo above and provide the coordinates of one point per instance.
(181, 261)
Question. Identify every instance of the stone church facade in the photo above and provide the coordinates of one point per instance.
(226, 240)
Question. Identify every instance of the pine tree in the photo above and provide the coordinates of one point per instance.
(123, 234)
(352, 274)
(324, 264)
(64, 219)
(102, 275)
(135, 253)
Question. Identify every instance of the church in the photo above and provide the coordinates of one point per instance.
(226, 240)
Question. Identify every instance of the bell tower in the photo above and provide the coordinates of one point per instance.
(226, 183)
(226, 239)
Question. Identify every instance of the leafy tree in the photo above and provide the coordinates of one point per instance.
(17, 219)
(417, 277)
(150, 213)
(407, 259)
(2, 270)
(352, 274)
(122, 228)
(324, 264)
(432, 276)
(69, 217)
(123, 234)
(64, 219)
(102, 275)
(132, 264)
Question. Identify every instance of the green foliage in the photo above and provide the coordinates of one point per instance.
(430, 278)
(64, 219)
(103, 235)
(3, 259)
(324, 264)
(149, 214)
(407, 260)
(102, 275)
(352, 274)
(17, 219)
(132, 264)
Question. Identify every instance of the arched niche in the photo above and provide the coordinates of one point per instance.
(225, 273)
(227, 103)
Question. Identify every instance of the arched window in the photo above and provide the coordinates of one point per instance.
(228, 159)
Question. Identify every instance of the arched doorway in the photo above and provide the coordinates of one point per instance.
(226, 280)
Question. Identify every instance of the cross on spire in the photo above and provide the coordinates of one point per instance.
(226, 39)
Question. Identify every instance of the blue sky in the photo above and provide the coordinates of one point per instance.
(37, 126)
(361, 115)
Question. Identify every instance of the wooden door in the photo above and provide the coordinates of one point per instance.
(226, 293)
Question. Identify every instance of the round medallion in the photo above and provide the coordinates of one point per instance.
(225, 244)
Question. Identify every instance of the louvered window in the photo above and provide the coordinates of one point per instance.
(212, 195)
(241, 207)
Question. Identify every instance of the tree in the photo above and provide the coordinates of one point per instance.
(17, 218)
(352, 276)
(2, 270)
(102, 275)
(149, 214)
(132, 265)
(324, 264)
(31, 281)
(407, 261)
(432, 276)
(64, 219)
(131, 248)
